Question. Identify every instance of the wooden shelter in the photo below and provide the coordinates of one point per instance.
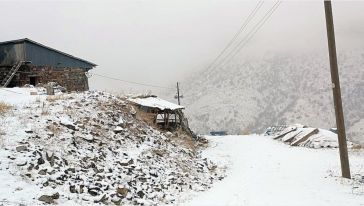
(163, 113)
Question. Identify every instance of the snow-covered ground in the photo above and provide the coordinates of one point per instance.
(91, 148)
(259, 170)
(265, 172)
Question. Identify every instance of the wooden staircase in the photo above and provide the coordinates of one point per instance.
(5, 82)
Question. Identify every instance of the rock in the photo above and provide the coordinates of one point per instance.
(12, 157)
(159, 152)
(21, 163)
(42, 172)
(81, 188)
(21, 148)
(118, 129)
(73, 170)
(68, 124)
(116, 202)
(40, 161)
(93, 191)
(50, 159)
(28, 130)
(31, 166)
(121, 122)
(132, 110)
(49, 199)
(124, 163)
(46, 198)
(102, 200)
(122, 191)
(88, 138)
(73, 189)
(55, 196)
(140, 194)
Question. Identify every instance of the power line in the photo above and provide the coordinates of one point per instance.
(250, 35)
(241, 29)
(131, 82)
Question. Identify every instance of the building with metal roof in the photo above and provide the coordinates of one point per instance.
(25, 61)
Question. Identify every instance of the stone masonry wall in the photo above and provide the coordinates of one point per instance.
(73, 79)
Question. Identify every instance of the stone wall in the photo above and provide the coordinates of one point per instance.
(73, 79)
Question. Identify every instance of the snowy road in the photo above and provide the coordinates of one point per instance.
(265, 172)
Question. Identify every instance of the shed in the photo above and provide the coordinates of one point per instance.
(165, 114)
(25, 61)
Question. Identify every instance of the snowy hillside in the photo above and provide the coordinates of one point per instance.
(88, 148)
(93, 148)
(252, 94)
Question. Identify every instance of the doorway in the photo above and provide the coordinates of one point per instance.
(33, 81)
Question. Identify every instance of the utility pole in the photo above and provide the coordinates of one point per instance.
(344, 159)
(179, 103)
(178, 96)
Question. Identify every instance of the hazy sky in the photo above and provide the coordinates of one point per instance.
(159, 42)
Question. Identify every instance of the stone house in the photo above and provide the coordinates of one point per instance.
(25, 61)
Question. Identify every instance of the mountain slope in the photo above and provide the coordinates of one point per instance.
(252, 94)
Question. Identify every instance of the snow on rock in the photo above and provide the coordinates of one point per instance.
(78, 154)
(299, 135)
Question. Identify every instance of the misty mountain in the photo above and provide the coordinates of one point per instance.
(252, 94)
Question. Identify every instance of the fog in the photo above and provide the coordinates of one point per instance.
(161, 42)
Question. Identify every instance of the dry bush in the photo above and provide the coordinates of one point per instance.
(53, 98)
(145, 116)
(45, 110)
(2, 134)
(245, 131)
(184, 140)
(55, 129)
(4, 108)
(357, 147)
(69, 111)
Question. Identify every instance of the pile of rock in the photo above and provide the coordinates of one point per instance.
(90, 147)
(300, 135)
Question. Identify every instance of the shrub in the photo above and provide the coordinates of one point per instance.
(4, 108)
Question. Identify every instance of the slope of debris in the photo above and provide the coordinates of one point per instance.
(300, 135)
(90, 148)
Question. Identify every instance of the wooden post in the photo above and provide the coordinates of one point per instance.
(167, 119)
(344, 159)
(179, 103)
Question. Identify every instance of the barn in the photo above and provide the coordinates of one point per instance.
(24, 61)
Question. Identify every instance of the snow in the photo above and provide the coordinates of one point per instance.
(265, 172)
(19, 96)
(316, 137)
(259, 170)
(156, 102)
(84, 146)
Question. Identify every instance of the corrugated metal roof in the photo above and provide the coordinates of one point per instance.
(39, 44)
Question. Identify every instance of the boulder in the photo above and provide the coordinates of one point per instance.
(21, 148)
(49, 199)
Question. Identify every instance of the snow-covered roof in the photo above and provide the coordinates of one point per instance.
(156, 102)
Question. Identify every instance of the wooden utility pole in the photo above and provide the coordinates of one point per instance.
(179, 103)
(344, 159)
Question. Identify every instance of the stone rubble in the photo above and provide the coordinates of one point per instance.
(89, 146)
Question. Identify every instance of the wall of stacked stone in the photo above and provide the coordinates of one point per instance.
(73, 79)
